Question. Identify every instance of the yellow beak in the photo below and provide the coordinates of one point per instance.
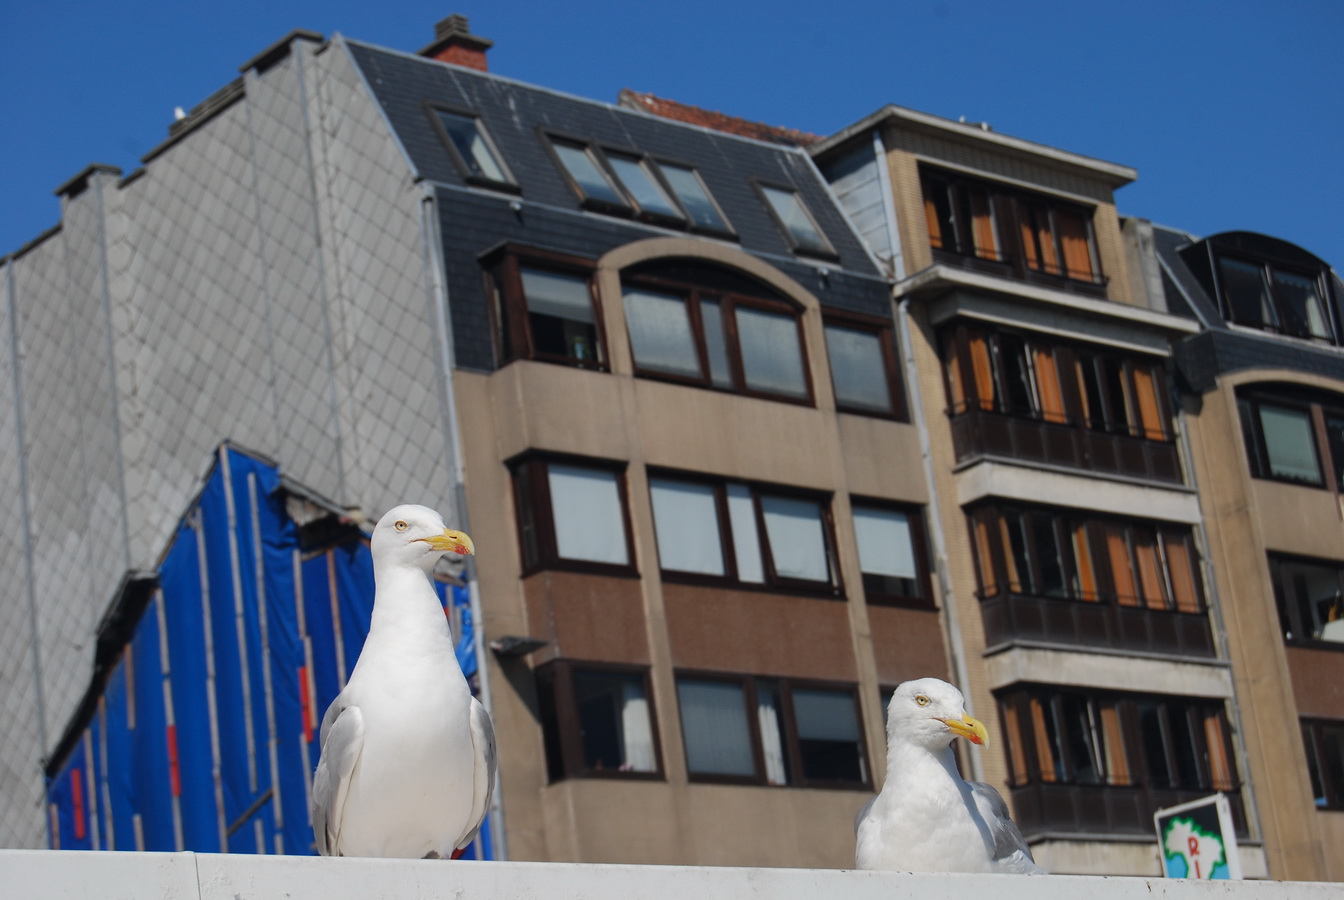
(969, 728)
(452, 541)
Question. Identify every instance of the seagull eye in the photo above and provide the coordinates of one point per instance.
(921, 700)
(400, 525)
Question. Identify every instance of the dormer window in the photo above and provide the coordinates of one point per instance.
(588, 177)
(1274, 298)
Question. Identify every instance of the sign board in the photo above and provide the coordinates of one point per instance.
(1198, 840)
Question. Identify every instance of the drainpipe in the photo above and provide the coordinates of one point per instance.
(954, 645)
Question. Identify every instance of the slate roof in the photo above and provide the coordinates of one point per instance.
(1221, 348)
(549, 215)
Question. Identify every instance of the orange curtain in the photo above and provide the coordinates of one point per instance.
(1009, 561)
(1080, 363)
(1077, 252)
(931, 216)
(1082, 555)
(1150, 405)
(1150, 568)
(980, 366)
(956, 388)
(1220, 767)
(989, 579)
(1017, 758)
(1121, 571)
(1045, 752)
(1024, 216)
(1117, 766)
(1182, 570)
(1049, 256)
(982, 225)
(1047, 383)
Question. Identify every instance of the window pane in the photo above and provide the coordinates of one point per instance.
(641, 184)
(1312, 605)
(828, 735)
(714, 723)
(716, 345)
(1245, 292)
(858, 369)
(584, 170)
(1332, 736)
(660, 333)
(772, 733)
(691, 192)
(797, 538)
(746, 541)
(886, 551)
(1334, 436)
(614, 722)
(797, 222)
(1301, 304)
(772, 360)
(589, 523)
(686, 519)
(464, 132)
(1290, 444)
(1154, 745)
(560, 310)
(1048, 560)
(1083, 733)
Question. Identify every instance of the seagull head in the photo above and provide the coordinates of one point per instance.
(416, 536)
(929, 713)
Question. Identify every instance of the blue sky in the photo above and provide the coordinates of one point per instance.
(1232, 112)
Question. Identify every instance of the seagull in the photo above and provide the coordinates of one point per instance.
(408, 754)
(926, 818)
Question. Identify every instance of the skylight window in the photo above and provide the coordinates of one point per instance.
(471, 148)
(795, 221)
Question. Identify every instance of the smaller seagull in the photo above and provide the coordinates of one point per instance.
(926, 818)
(408, 754)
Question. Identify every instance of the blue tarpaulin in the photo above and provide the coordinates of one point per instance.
(202, 734)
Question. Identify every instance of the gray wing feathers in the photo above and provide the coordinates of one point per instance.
(1011, 853)
(483, 740)
(342, 740)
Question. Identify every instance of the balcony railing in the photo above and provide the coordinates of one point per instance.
(1010, 617)
(1101, 809)
(981, 433)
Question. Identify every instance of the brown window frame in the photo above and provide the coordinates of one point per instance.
(1027, 230)
(1048, 381)
(1111, 542)
(1329, 782)
(1023, 709)
(772, 581)
(1295, 617)
(513, 320)
(1319, 409)
(465, 167)
(562, 732)
(793, 759)
(919, 547)
(533, 506)
(695, 296)
(885, 331)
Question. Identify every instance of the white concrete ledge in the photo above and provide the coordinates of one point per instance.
(82, 875)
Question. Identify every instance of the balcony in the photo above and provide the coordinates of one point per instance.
(980, 433)
(1014, 617)
(1107, 810)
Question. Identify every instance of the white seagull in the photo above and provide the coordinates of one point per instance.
(408, 754)
(926, 818)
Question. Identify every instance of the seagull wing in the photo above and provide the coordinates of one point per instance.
(863, 813)
(487, 761)
(342, 739)
(1011, 853)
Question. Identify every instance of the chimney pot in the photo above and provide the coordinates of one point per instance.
(454, 43)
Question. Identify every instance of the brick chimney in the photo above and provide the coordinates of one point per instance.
(454, 43)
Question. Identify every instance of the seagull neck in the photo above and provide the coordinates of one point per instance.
(907, 761)
(403, 596)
